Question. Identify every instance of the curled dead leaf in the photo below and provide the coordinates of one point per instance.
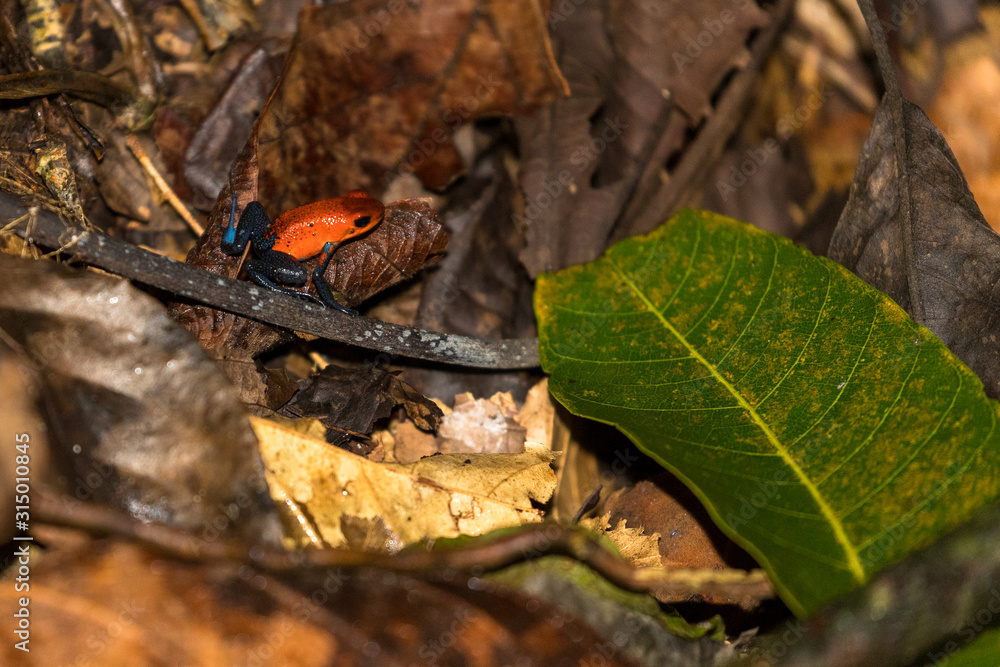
(439, 496)
(143, 420)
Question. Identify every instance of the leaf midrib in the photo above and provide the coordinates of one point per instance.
(840, 535)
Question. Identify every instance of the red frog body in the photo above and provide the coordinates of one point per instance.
(300, 233)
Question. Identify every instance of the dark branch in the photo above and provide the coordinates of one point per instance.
(242, 298)
(527, 543)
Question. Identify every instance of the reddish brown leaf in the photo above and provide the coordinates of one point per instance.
(370, 91)
(114, 603)
(411, 237)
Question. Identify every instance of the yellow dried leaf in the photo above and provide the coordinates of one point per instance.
(440, 496)
(639, 549)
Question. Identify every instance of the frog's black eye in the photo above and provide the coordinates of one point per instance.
(362, 221)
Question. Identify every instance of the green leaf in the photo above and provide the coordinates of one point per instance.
(824, 431)
(984, 651)
(539, 578)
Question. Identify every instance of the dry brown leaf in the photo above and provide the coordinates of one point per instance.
(99, 602)
(362, 101)
(439, 496)
(113, 603)
(642, 75)
(684, 541)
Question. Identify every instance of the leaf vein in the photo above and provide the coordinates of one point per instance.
(840, 535)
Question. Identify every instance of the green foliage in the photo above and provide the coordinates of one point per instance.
(536, 577)
(984, 651)
(825, 431)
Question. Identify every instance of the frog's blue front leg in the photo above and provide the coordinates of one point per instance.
(254, 227)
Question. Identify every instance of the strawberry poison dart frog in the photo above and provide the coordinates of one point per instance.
(314, 229)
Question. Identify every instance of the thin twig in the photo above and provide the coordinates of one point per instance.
(85, 85)
(133, 144)
(529, 542)
(213, 41)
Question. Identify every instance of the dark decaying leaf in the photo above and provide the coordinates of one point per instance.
(954, 273)
(780, 185)
(231, 340)
(422, 411)
(637, 88)
(480, 288)
(145, 421)
(114, 603)
(348, 401)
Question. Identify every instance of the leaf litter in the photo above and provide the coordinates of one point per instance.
(301, 163)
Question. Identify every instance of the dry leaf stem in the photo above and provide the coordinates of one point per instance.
(894, 99)
(528, 542)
